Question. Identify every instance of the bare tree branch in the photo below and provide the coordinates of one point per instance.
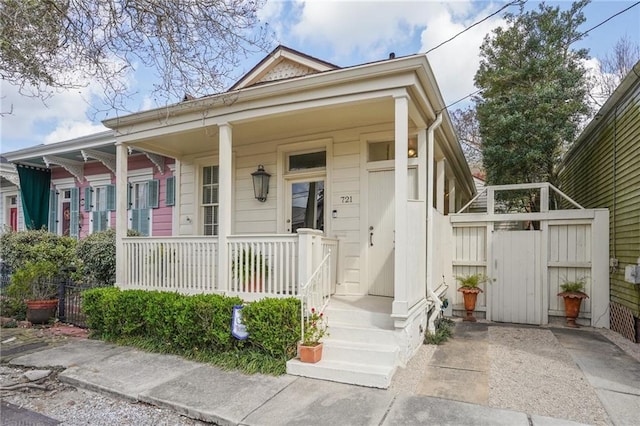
(192, 45)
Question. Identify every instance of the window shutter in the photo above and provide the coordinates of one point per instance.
(153, 193)
(53, 211)
(99, 220)
(111, 197)
(170, 196)
(88, 199)
(129, 189)
(141, 221)
(74, 222)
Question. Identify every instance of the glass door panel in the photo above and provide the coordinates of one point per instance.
(307, 205)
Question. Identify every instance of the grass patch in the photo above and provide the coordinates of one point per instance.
(444, 330)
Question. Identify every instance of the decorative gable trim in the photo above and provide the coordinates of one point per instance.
(76, 168)
(281, 63)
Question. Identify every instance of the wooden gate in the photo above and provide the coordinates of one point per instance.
(527, 267)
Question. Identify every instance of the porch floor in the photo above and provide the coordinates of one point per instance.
(377, 304)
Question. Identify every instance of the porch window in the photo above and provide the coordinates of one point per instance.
(210, 200)
(311, 160)
(382, 151)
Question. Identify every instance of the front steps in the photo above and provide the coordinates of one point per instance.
(361, 348)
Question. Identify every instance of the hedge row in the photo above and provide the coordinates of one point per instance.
(197, 326)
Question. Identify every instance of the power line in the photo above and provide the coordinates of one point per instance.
(605, 21)
(577, 38)
(476, 23)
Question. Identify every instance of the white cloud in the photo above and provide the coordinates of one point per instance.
(369, 30)
(455, 63)
(69, 129)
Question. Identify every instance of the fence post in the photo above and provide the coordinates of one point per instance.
(62, 290)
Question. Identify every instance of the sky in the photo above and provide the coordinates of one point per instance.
(342, 32)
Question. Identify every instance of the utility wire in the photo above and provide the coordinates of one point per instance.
(509, 4)
(477, 23)
(603, 22)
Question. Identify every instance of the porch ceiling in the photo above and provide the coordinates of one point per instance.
(275, 126)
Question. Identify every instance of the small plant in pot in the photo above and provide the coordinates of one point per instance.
(315, 328)
(470, 287)
(34, 283)
(573, 294)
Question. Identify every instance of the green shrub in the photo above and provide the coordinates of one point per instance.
(19, 248)
(274, 326)
(34, 281)
(98, 254)
(444, 330)
(197, 326)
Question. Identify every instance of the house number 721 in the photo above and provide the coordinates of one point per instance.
(346, 199)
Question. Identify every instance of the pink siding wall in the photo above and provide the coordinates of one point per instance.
(161, 217)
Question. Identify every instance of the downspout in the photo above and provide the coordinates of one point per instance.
(429, 208)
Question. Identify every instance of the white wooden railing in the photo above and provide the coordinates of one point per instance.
(330, 245)
(316, 292)
(183, 264)
(266, 264)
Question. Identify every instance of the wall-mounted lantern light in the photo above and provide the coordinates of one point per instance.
(260, 183)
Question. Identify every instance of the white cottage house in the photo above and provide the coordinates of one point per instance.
(354, 170)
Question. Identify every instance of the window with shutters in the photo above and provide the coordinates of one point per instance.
(99, 201)
(143, 197)
(170, 191)
(210, 200)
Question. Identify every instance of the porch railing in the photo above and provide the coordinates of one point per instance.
(183, 264)
(316, 293)
(266, 264)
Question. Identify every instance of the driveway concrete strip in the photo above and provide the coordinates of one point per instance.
(76, 352)
(459, 368)
(614, 375)
(317, 402)
(127, 374)
(416, 410)
(210, 394)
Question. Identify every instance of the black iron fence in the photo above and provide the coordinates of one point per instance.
(70, 302)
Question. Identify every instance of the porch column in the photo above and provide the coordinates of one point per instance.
(440, 172)
(452, 196)
(122, 187)
(400, 302)
(430, 208)
(224, 202)
(423, 166)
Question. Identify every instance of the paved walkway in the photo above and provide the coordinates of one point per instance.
(207, 393)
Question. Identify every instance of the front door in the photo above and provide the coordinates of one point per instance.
(516, 294)
(305, 205)
(380, 229)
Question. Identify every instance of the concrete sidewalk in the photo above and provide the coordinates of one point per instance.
(204, 392)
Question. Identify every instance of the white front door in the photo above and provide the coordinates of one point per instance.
(516, 294)
(380, 228)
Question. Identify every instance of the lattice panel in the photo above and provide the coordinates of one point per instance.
(622, 321)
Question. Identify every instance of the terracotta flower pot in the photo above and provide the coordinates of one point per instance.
(310, 354)
(470, 296)
(572, 301)
(41, 311)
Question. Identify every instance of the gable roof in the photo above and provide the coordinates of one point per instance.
(282, 63)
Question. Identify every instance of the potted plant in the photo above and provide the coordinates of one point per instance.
(573, 294)
(35, 284)
(469, 287)
(245, 264)
(315, 328)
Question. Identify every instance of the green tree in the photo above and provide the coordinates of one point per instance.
(64, 44)
(534, 93)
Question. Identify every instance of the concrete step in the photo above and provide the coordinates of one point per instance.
(358, 318)
(365, 335)
(344, 372)
(371, 354)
